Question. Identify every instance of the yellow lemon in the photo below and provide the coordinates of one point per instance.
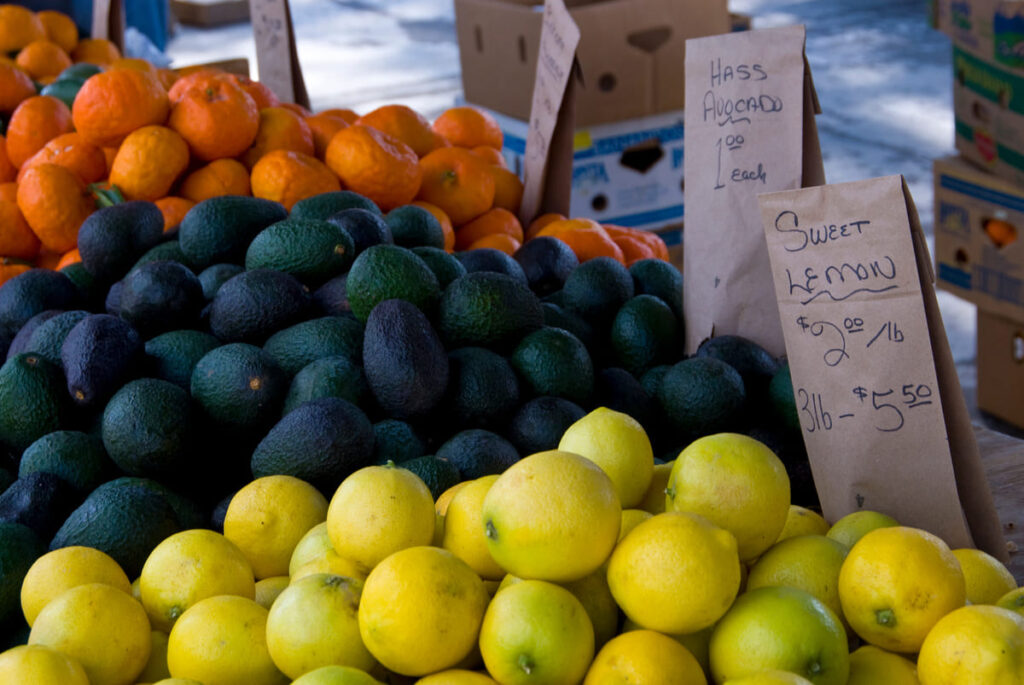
(268, 517)
(536, 632)
(62, 569)
(379, 510)
(736, 483)
(315, 623)
(190, 566)
(336, 675)
(1013, 600)
(457, 677)
(136, 591)
(101, 627)
(618, 444)
(177, 681)
(801, 521)
(808, 562)
(784, 629)
(596, 598)
(463, 535)
(697, 643)
(654, 499)
(770, 678)
(974, 644)
(156, 667)
(852, 527)
(315, 542)
(631, 518)
(675, 573)
(644, 656)
(870, 665)
(985, 576)
(223, 641)
(330, 562)
(40, 665)
(441, 505)
(552, 516)
(421, 610)
(268, 589)
(896, 584)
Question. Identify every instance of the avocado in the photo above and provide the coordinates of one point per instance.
(496, 261)
(213, 277)
(659, 278)
(32, 292)
(186, 511)
(753, 362)
(313, 251)
(702, 396)
(597, 289)
(20, 342)
(64, 89)
(645, 334)
(487, 310)
(332, 297)
(147, 429)
(783, 402)
(546, 262)
(254, 305)
(48, 338)
(220, 512)
(78, 458)
(112, 303)
(404, 361)
(413, 226)
(478, 453)
(365, 227)
(652, 379)
(100, 353)
(6, 478)
(19, 549)
(553, 361)
(80, 70)
(557, 317)
(336, 376)
(321, 442)
(296, 346)
(437, 474)
(220, 229)
(389, 272)
(446, 267)
(113, 238)
(239, 386)
(167, 251)
(619, 390)
(539, 424)
(173, 355)
(395, 441)
(483, 390)
(32, 400)
(40, 501)
(326, 205)
(91, 292)
(161, 296)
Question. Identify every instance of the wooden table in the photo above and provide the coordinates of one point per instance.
(1003, 458)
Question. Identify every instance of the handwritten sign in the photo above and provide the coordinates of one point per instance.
(857, 305)
(276, 56)
(748, 116)
(549, 139)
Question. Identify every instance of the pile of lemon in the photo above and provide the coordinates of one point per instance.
(588, 564)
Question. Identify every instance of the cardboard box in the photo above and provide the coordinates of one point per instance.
(990, 29)
(210, 12)
(1001, 367)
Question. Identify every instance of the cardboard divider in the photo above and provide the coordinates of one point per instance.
(277, 59)
(108, 21)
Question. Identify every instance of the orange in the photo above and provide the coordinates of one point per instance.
(108, 154)
(404, 124)
(95, 51)
(297, 109)
(34, 123)
(72, 151)
(195, 78)
(560, 226)
(18, 28)
(68, 258)
(376, 165)
(492, 222)
(279, 129)
(542, 221)
(633, 249)
(48, 260)
(469, 127)
(220, 177)
(217, 119)
(588, 243)
(54, 202)
(8, 172)
(167, 78)
(15, 86)
(16, 238)
(60, 29)
(458, 182)
(636, 244)
(285, 176)
(348, 115)
(324, 126)
(498, 241)
(446, 223)
(490, 155)
(148, 163)
(135, 63)
(174, 210)
(260, 93)
(10, 268)
(508, 189)
(41, 58)
(111, 105)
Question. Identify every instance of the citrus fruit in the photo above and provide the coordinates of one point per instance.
(457, 677)
(1013, 600)
(331, 562)
(852, 527)
(769, 678)
(40, 665)
(269, 589)
(469, 127)
(870, 665)
(631, 518)
(315, 542)
(655, 498)
(974, 644)
(985, 576)
(457, 181)
(65, 568)
(375, 165)
(336, 675)
(802, 521)
(463, 535)
(644, 656)
(156, 667)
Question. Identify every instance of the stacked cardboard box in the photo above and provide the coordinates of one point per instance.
(979, 196)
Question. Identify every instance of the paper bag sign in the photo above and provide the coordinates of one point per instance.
(108, 21)
(548, 158)
(276, 56)
(749, 122)
(880, 405)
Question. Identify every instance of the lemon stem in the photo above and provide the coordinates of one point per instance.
(526, 663)
(490, 530)
(885, 617)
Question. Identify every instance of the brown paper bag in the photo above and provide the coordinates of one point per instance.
(276, 56)
(881, 408)
(750, 106)
(108, 21)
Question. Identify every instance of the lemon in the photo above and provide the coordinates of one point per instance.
(974, 644)
(190, 566)
(644, 656)
(736, 483)
(336, 675)
(784, 629)
(40, 665)
(268, 589)
(379, 510)
(1013, 600)
(330, 562)
(896, 584)
(315, 542)
(852, 527)
(552, 516)
(631, 518)
(463, 535)
(441, 505)
(770, 678)
(697, 643)
(618, 444)
(222, 641)
(136, 591)
(675, 573)
(985, 576)
(457, 677)
(63, 569)
(101, 627)
(536, 632)
(177, 681)
(156, 667)
(268, 517)
(421, 610)
(801, 521)
(808, 562)
(596, 597)
(654, 499)
(870, 665)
